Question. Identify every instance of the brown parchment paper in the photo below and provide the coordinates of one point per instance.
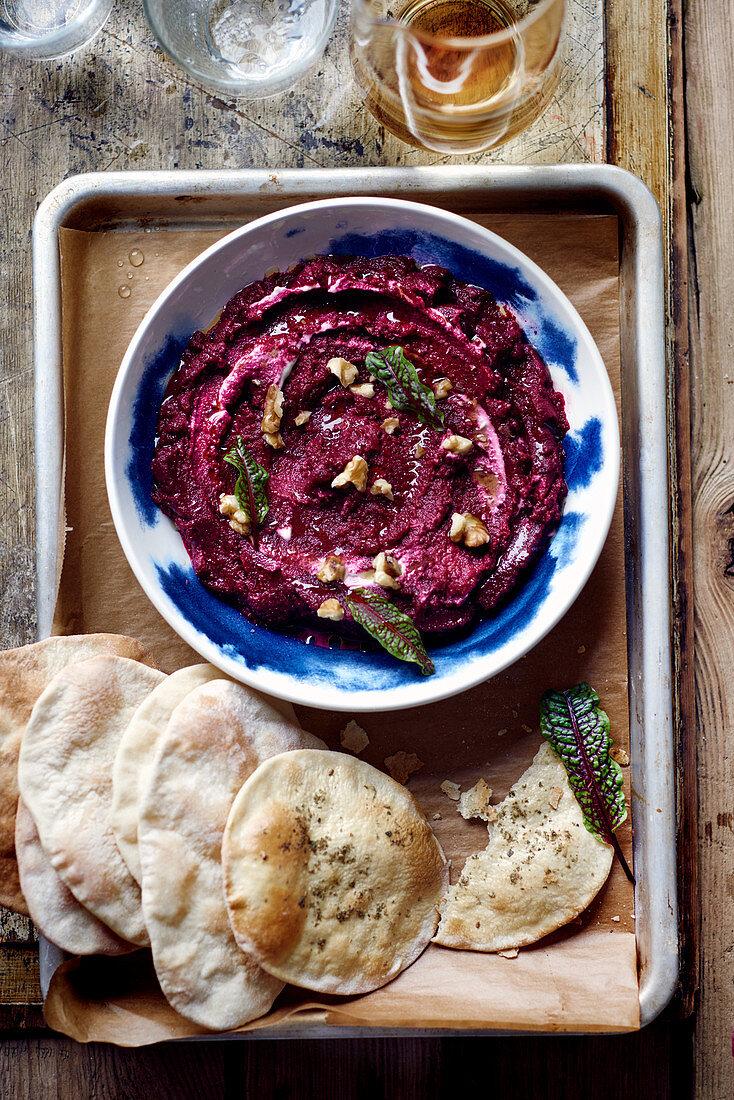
(584, 977)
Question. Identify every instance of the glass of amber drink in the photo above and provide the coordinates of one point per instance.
(457, 76)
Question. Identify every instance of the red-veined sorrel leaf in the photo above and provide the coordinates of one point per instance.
(405, 389)
(576, 727)
(251, 485)
(394, 630)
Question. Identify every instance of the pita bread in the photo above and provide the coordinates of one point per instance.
(134, 760)
(53, 908)
(24, 673)
(214, 740)
(65, 779)
(333, 876)
(541, 868)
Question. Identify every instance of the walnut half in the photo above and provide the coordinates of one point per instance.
(363, 389)
(229, 507)
(345, 371)
(354, 473)
(273, 411)
(457, 444)
(387, 570)
(382, 488)
(331, 569)
(331, 609)
(468, 529)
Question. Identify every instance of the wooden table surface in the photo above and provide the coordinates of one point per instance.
(644, 87)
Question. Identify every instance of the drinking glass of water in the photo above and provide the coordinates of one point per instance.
(246, 48)
(50, 28)
(457, 76)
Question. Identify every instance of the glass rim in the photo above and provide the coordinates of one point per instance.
(251, 90)
(62, 40)
(497, 38)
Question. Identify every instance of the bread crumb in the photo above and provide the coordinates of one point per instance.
(451, 790)
(354, 738)
(528, 729)
(436, 817)
(508, 953)
(621, 756)
(555, 797)
(581, 649)
(501, 733)
(475, 802)
(403, 764)
(615, 918)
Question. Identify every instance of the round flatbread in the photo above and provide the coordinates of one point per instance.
(53, 908)
(541, 868)
(134, 760)
(24, 673)
(65, 779)
(332, 874)
(214, 740)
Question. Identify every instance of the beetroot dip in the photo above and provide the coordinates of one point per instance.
(281, 334)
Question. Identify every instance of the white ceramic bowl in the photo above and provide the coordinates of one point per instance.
(282, 665)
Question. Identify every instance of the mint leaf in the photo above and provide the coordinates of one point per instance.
(251, 485)
(574, 724)
(394, 630)
(405, 389)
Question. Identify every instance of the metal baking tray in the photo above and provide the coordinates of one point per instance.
(191, 199)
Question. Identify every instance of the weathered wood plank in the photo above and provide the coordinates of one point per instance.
(682, 526)
(637, 92)
(406, 1069)
(646, 135)
(710, 90)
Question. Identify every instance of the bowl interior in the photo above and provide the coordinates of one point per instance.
(344, 677)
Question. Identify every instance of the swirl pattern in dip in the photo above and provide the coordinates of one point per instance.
(282, 333)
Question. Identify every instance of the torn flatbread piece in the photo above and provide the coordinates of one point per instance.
(53, 908)
(135, 755)
(332, 874)
(65, 779)
(541, 868)
(213, 742)
(24, 673)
